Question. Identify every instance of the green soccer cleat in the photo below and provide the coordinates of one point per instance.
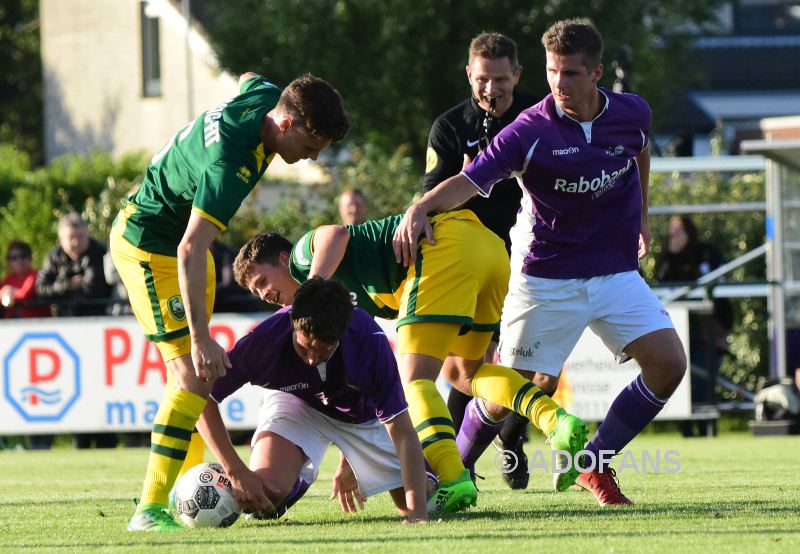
(453, 496)
(569, 435)
(153, 517)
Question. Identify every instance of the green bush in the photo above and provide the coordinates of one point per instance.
(31, 201)
(30, 215)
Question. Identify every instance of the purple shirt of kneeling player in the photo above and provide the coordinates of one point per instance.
(330, 377)
(358, 383)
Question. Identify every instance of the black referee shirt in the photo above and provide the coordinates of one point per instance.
(459, 131)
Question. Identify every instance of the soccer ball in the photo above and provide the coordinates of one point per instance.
(203, 497)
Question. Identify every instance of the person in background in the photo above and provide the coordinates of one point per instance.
(16, 289)
(73, 277)
(72, 274)
(19, 284)
(684, 258)
(455, 138)
(352, 207)
(119, 294)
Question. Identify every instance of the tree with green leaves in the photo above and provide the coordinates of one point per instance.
(398, 63)
(21, 77)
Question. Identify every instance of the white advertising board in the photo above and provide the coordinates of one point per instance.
(100, 374)
(97, 374)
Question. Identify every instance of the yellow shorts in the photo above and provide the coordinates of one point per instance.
(154, 293)
(462, 279)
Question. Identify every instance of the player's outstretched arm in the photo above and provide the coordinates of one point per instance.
(345, 487)
(445, 196)
(328, 245)
(248, 488)
(209, 358)
(412, 466)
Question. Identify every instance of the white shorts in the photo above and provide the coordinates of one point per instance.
(544, 318)
(367, 446)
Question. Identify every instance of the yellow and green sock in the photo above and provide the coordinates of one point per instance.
(169, 443)
(434, 427)
(504, 386)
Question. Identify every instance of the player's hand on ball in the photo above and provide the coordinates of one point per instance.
(345, 487)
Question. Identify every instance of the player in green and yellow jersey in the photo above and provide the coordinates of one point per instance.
(447, 306)
(160, 245)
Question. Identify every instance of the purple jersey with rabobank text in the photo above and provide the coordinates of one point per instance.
(582, 201)
(361, 380)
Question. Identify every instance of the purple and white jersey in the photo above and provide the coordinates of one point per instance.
(361, 381)
(582, 201)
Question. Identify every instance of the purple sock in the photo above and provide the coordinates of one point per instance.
(631, 411)
(476, 433)
(298, 490)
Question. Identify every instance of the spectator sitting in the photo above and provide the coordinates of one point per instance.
(352, 207)
(73, 270)
(685, 258)
(19, 284)
(17, 288)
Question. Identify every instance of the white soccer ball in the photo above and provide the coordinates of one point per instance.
(203, 497)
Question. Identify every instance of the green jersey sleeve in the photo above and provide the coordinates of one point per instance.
(300, 260)
(222, 188)
(368, 268)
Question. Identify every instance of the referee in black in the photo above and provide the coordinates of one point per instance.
(456, 137)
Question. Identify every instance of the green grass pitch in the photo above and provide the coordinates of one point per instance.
(735, 493)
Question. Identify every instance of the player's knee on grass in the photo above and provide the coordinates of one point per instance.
(277, 489)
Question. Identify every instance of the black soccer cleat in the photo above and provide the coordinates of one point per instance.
(514, 463)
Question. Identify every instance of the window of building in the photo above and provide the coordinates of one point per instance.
(151, 53)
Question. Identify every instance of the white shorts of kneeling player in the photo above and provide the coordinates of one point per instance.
(367, 446)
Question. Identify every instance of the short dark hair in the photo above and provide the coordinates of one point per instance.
(264, 248)
(19, 246)
(493, 46)
(317, 105)
(354, 191)
(322, 309)
(575, 36)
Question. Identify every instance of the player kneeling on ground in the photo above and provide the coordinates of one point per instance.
(446, 310)
(330, 377)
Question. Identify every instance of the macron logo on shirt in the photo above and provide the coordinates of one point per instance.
(566, 151)
(296, 386)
